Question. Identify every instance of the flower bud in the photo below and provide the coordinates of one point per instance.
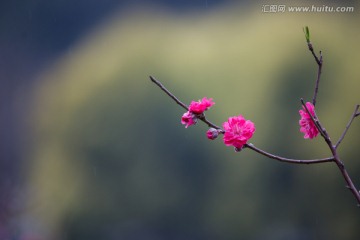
(212, 133)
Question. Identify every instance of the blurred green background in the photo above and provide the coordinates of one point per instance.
(104, 155)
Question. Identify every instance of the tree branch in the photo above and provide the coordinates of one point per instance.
(354, 115)
(350, 185)
(288, 160)
(335, 158)
(251, 146)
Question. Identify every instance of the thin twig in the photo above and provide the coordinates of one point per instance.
(210, 124)
(319, 62)
(355, 114)
(311, 48)
(289, 160)
(169, 93)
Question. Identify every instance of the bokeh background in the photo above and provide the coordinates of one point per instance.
(91, 149)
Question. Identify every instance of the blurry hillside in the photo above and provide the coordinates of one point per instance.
(109, 159)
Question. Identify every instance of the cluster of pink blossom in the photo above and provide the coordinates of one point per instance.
(238, 130)
(196, 108)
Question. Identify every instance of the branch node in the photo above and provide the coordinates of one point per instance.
(310, 46)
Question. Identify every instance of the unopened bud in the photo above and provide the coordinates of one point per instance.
(212, 133)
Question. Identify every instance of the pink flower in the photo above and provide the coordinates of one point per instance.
(188, 119)
(212, 133)
(200, 106)
(196, 108)
(307, 126)
(238, 131)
